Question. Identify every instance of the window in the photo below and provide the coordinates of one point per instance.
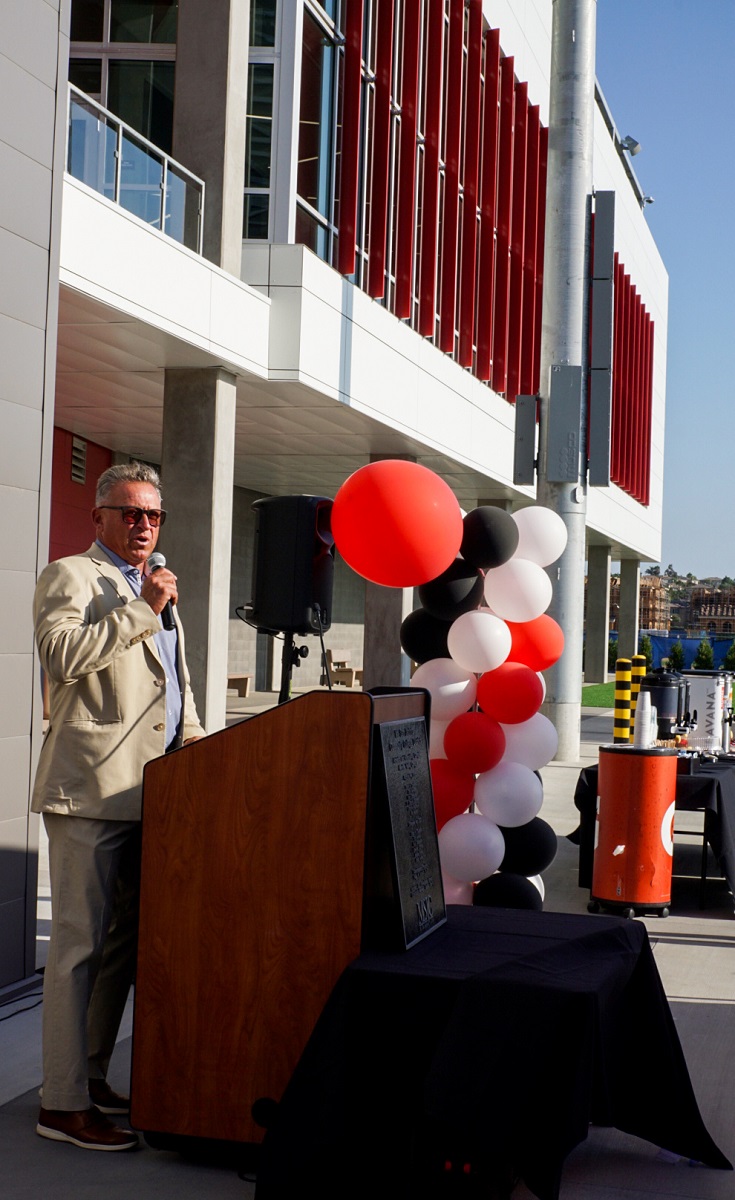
(259, 120)
(258, 138)
(123, 54)
(319, 129)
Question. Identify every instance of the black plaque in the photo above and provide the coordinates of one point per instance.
(401, 763)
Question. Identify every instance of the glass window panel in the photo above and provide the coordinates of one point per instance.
(315, 117)
(86, 73)
(310, 233)
(259, 125)
(142, 95)
(255, 221)
(91, 149)
(262, 22)
(87, 21)
(182, 209)
(141, 179)
(140, 21)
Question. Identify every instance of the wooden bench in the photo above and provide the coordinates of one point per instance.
(340, 670)
(240, 684)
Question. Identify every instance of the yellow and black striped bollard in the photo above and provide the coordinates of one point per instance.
(621, 718)
(637, 671)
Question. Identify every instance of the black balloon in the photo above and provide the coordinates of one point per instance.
(529, 848)
(490, 537)
(423, 637)
(508, 891)
(457, 590)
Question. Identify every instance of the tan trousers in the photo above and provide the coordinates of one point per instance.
(95, 879)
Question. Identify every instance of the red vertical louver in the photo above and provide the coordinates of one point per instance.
(381, 151)
(470, 181)
(488, 200)
(407, 160)
(453, 145)
(458, 157)
(632, 390)
(350, 137)
(432, 137)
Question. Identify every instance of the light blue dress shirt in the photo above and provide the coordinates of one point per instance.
(166, 643)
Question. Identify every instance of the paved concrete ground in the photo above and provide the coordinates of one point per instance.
(694, 952)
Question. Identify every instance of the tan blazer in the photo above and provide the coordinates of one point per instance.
(106, 689)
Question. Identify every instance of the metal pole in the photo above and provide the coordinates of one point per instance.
(564, 332)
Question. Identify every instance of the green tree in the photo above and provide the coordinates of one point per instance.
(645, 647)
(676, 657)
(728, 661)
(653, 570)
(704, 659)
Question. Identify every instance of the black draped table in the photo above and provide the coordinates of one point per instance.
(490, 1047)
(710, 789)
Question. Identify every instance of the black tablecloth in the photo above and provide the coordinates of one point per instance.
(493, 1043)
(711, 788)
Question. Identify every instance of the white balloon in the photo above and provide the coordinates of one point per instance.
(543, 684)
(470, 847)
(533, 743)
(436, 739)
(520, 590)
(479, 641)
(510, 794)
(542, 535)
(538, 883)
(456, 891)
(453, 688)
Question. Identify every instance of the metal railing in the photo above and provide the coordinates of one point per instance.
(110, 157)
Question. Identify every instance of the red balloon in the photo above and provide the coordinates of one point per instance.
(511, 693)
(474, 742)
(397, 523)
(537, 643)
(453, 790)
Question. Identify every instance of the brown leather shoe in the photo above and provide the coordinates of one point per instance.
(88, 1129)
(107, 1101)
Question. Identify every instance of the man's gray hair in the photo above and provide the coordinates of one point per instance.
(133, 472)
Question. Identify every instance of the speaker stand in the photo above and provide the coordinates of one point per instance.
(290, 657)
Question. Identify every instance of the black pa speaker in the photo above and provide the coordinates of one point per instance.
(293, 564)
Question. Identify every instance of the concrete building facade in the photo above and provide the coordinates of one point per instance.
(365, 283)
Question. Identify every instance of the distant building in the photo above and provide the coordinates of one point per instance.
(711, 610)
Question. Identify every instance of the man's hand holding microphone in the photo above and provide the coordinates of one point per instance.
(160, 589)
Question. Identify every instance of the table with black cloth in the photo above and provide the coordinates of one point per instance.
(710, 789)
(492, 1045)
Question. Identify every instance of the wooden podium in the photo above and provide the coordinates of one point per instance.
(257, 872)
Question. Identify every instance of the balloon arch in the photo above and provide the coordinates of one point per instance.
(481, 639)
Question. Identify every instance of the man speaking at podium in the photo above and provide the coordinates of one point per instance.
(119, 696)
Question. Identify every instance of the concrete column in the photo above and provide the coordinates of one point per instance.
(564, 338)
(598, 614)
(384, 663)
(630, 578)
(197, 480)
(209, 116)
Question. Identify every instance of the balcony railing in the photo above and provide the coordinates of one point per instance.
(107, 155)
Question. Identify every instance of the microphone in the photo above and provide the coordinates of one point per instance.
(155, 561)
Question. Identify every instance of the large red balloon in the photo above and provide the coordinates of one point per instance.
(474, 742)
(397, 523)
(453, 790)
(511, 693)
(537, 643)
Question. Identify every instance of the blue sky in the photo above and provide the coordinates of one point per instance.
(666, 68)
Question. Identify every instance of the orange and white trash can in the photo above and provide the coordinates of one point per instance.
(634, 830)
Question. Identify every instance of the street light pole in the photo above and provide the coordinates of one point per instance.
(565, 323)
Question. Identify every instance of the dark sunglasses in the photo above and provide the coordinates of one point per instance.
(131, 515)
